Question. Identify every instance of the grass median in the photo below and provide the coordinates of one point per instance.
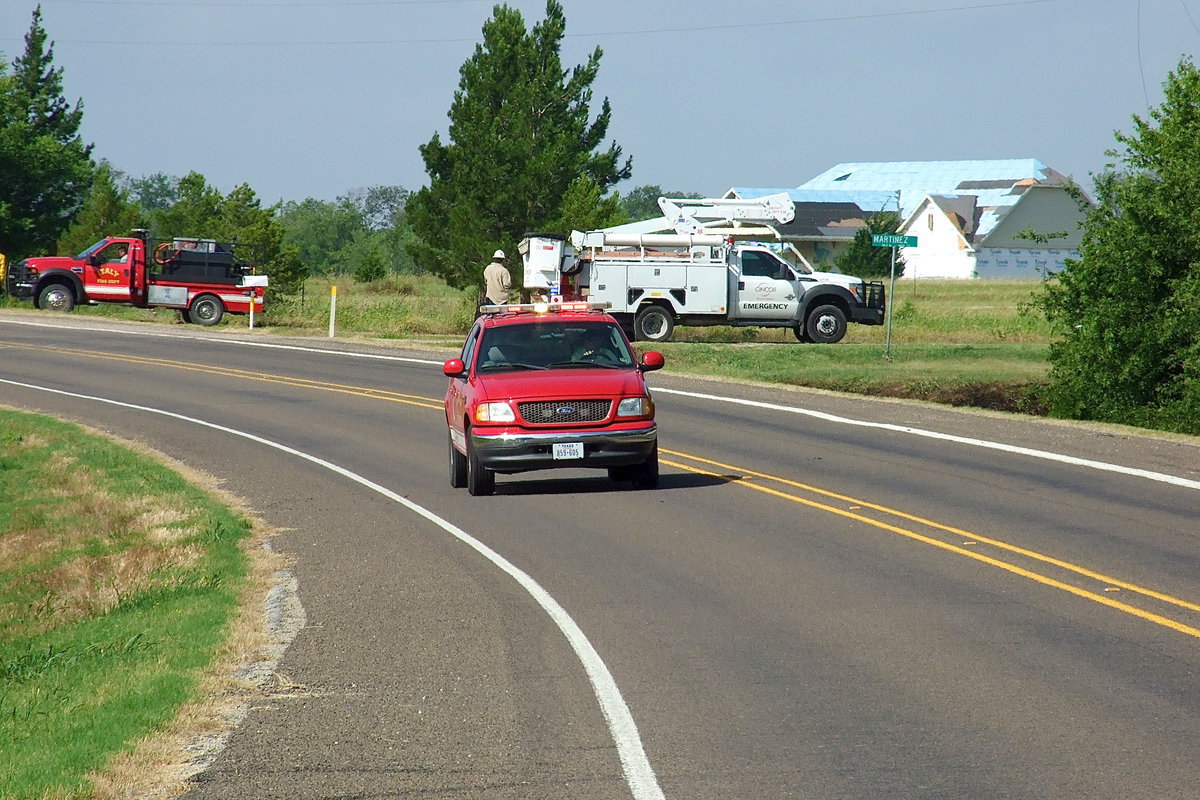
(120, 583)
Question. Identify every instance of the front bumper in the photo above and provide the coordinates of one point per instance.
(509, 452)
(18, 281)
(873, 305)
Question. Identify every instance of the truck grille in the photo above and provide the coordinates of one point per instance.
(555, 412)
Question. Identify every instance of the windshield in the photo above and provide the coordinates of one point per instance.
(558, 344)
(92, 249)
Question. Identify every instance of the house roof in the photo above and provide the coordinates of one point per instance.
(995, 183)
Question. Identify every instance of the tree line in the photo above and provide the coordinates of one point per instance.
(58, 198)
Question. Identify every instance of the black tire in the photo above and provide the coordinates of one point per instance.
(653, 324)
(57, 297)
(801, 334)
(458, 466)
(207, 309)
(481, 481)
(825, 325)
(620, 474)
(645, 475)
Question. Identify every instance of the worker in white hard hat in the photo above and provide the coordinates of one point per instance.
(496, 280)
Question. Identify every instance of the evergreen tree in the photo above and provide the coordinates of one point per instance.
(38, 86)
(1128, 310)
(521, 138)
(45, 168)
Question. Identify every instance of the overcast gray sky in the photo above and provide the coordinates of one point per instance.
(313, 98)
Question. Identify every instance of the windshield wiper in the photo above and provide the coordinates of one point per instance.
(588, 364)
(498, 366)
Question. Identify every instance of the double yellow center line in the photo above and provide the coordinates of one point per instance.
(968, 544)
(1089, 584)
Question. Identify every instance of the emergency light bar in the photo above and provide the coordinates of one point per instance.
(545, 308)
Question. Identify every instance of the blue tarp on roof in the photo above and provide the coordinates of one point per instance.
(867, 199)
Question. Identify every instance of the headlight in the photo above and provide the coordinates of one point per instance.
(636, 407)
(494, 412)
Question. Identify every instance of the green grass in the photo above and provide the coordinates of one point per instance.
(118, 580)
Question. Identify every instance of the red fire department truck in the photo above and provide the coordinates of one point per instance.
(202, 278)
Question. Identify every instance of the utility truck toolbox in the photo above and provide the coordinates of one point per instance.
(549, 386)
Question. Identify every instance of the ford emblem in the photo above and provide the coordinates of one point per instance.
(565, 411)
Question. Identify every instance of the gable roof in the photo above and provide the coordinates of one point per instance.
(959, 209)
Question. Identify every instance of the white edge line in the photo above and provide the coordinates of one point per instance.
(1008, 448)
(638, 773)
(221, 340)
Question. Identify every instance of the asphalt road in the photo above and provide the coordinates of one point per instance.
(828, 597)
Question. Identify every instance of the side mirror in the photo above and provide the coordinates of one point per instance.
(454, 368)
(651, 361)
(92, 260)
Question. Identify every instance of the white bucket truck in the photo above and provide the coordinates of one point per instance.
(655, 281)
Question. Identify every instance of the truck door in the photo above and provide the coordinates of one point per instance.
(137, 274)
(107, 272)
(764, 287)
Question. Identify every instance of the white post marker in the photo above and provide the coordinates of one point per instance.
(332, 308)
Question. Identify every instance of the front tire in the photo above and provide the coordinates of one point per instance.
(481, 481)
(645, 475)
(206, 310)
(57, 297)
(458, 466)
(653, 324)
(825, 325)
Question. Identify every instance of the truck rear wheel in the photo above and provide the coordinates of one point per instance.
(57, 297)
(653, 324)
(825, 325)
(206, 310)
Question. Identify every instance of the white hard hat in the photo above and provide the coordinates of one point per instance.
(498, 254)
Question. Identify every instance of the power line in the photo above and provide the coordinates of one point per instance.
(459, 40)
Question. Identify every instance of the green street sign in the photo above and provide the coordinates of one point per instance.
(892, 240)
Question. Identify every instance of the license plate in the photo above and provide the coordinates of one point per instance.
(563, 450)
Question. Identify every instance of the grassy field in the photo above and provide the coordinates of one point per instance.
(119, 583)
(957, 342)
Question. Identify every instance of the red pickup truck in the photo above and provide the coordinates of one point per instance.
(545, 386)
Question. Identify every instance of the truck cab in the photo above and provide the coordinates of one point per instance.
(766, 290)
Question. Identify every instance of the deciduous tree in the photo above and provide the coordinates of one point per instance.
(1128, 311)
(865, 260)
(108, 211)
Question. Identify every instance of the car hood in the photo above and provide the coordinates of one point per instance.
(836, 278)
(561, 383)
(44, 263)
